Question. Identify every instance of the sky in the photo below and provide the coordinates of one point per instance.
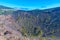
(30, 4)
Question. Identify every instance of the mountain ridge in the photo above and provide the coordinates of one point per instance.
(34, 23)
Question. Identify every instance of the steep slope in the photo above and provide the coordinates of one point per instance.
(35, 21)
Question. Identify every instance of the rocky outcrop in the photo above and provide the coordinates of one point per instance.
(7, 30)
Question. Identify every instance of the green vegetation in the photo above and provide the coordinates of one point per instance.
(43, 38)
(52, 36)
(23, 31)
(1, 11)
(32, 32)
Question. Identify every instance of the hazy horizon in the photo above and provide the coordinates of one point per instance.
(30, 4)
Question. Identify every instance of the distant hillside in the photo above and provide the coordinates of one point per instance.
(4, 7)
(5, 10)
